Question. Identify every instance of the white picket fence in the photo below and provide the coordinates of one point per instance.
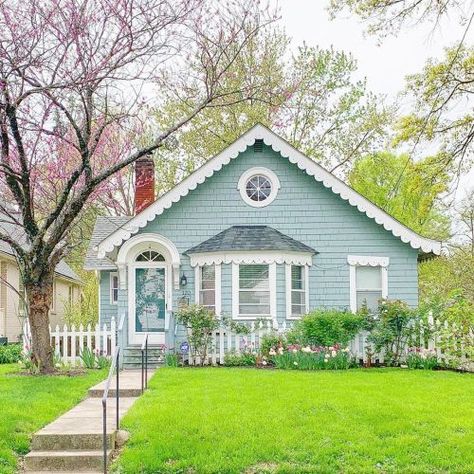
(69, 342)
(433, 336)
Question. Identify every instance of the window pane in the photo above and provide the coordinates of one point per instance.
(297, 277)
(369, 278)
(208, 298)
(207, 285)
(370, 298)
(253, 271)
(115, 295)
(208, 272)
(260, 310)
(258, 297)
(297, 309)
(297, 297)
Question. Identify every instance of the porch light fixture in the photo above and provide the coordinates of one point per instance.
(184, 280)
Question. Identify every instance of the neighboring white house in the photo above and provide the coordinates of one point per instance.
(67, 289)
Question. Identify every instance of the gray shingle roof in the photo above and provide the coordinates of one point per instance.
(104, 226)
(255, 237)
(17, 232)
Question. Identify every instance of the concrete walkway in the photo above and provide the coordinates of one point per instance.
(73, 442)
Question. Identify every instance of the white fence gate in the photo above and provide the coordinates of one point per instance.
(69, 342)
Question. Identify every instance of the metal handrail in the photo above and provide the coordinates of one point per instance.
(113, 366)
(144, 350)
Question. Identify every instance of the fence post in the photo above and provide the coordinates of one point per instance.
(57, 344)
(73, 344)
(112, 336)
(104, 339)
(214, 347)
(65, 344)
(221, 345)
(97, 339)
(89, 337)
(81, 341)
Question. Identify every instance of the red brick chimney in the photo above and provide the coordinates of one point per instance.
(144, 183)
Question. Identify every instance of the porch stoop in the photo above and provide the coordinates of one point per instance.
(132, 357)
(73, 442)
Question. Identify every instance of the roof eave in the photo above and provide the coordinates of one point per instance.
(278, 144)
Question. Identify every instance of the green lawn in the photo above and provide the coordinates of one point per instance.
(28, 403)
(261, 421)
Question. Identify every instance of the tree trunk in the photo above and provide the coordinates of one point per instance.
(39, 296)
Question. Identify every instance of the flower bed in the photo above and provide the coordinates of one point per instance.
(311, 358)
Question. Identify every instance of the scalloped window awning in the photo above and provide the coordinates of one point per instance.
(248, 258)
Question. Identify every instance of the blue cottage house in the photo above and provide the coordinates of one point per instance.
(258, 232)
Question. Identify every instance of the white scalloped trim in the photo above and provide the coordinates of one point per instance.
(369, 261)
(259, 132)
(248, 258)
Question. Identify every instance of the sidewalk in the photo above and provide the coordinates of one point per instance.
(73, 442)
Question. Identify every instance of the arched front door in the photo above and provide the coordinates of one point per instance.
(148, 297)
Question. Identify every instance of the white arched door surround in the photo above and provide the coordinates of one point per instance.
(151, 262)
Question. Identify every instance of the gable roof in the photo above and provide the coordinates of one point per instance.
(17, 232)
(250, 237)
(104, 226)
(278, 144)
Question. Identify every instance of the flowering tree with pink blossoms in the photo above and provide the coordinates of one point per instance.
(77, 77)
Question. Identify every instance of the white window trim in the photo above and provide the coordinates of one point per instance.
(289, 314)
(269, 174)
(235, 293)
(366, 261)
(111, 279)
(217, 288)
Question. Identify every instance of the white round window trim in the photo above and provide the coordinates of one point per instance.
(258, 186)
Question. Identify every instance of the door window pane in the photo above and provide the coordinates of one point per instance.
(149, 299)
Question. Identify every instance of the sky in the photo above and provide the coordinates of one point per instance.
(385, 64)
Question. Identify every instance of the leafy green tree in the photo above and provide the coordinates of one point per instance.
(388, 16)
(409, 191)
(443, 92)
(311, 99)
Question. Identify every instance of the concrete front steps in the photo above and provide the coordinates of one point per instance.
(132, 357)
(73, 442)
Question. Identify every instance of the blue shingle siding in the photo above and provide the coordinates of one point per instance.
(107, 310)
(304, 210)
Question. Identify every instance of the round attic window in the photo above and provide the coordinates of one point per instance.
(258, 186)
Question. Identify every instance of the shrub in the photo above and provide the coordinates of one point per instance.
(171, 360)
(313, 358)
(10, 353)
(199, 323)
(421, 358)
(272, 340)
(88, 358)
(391, 329)
(240, 359)
(92, 360)
(326, 327)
